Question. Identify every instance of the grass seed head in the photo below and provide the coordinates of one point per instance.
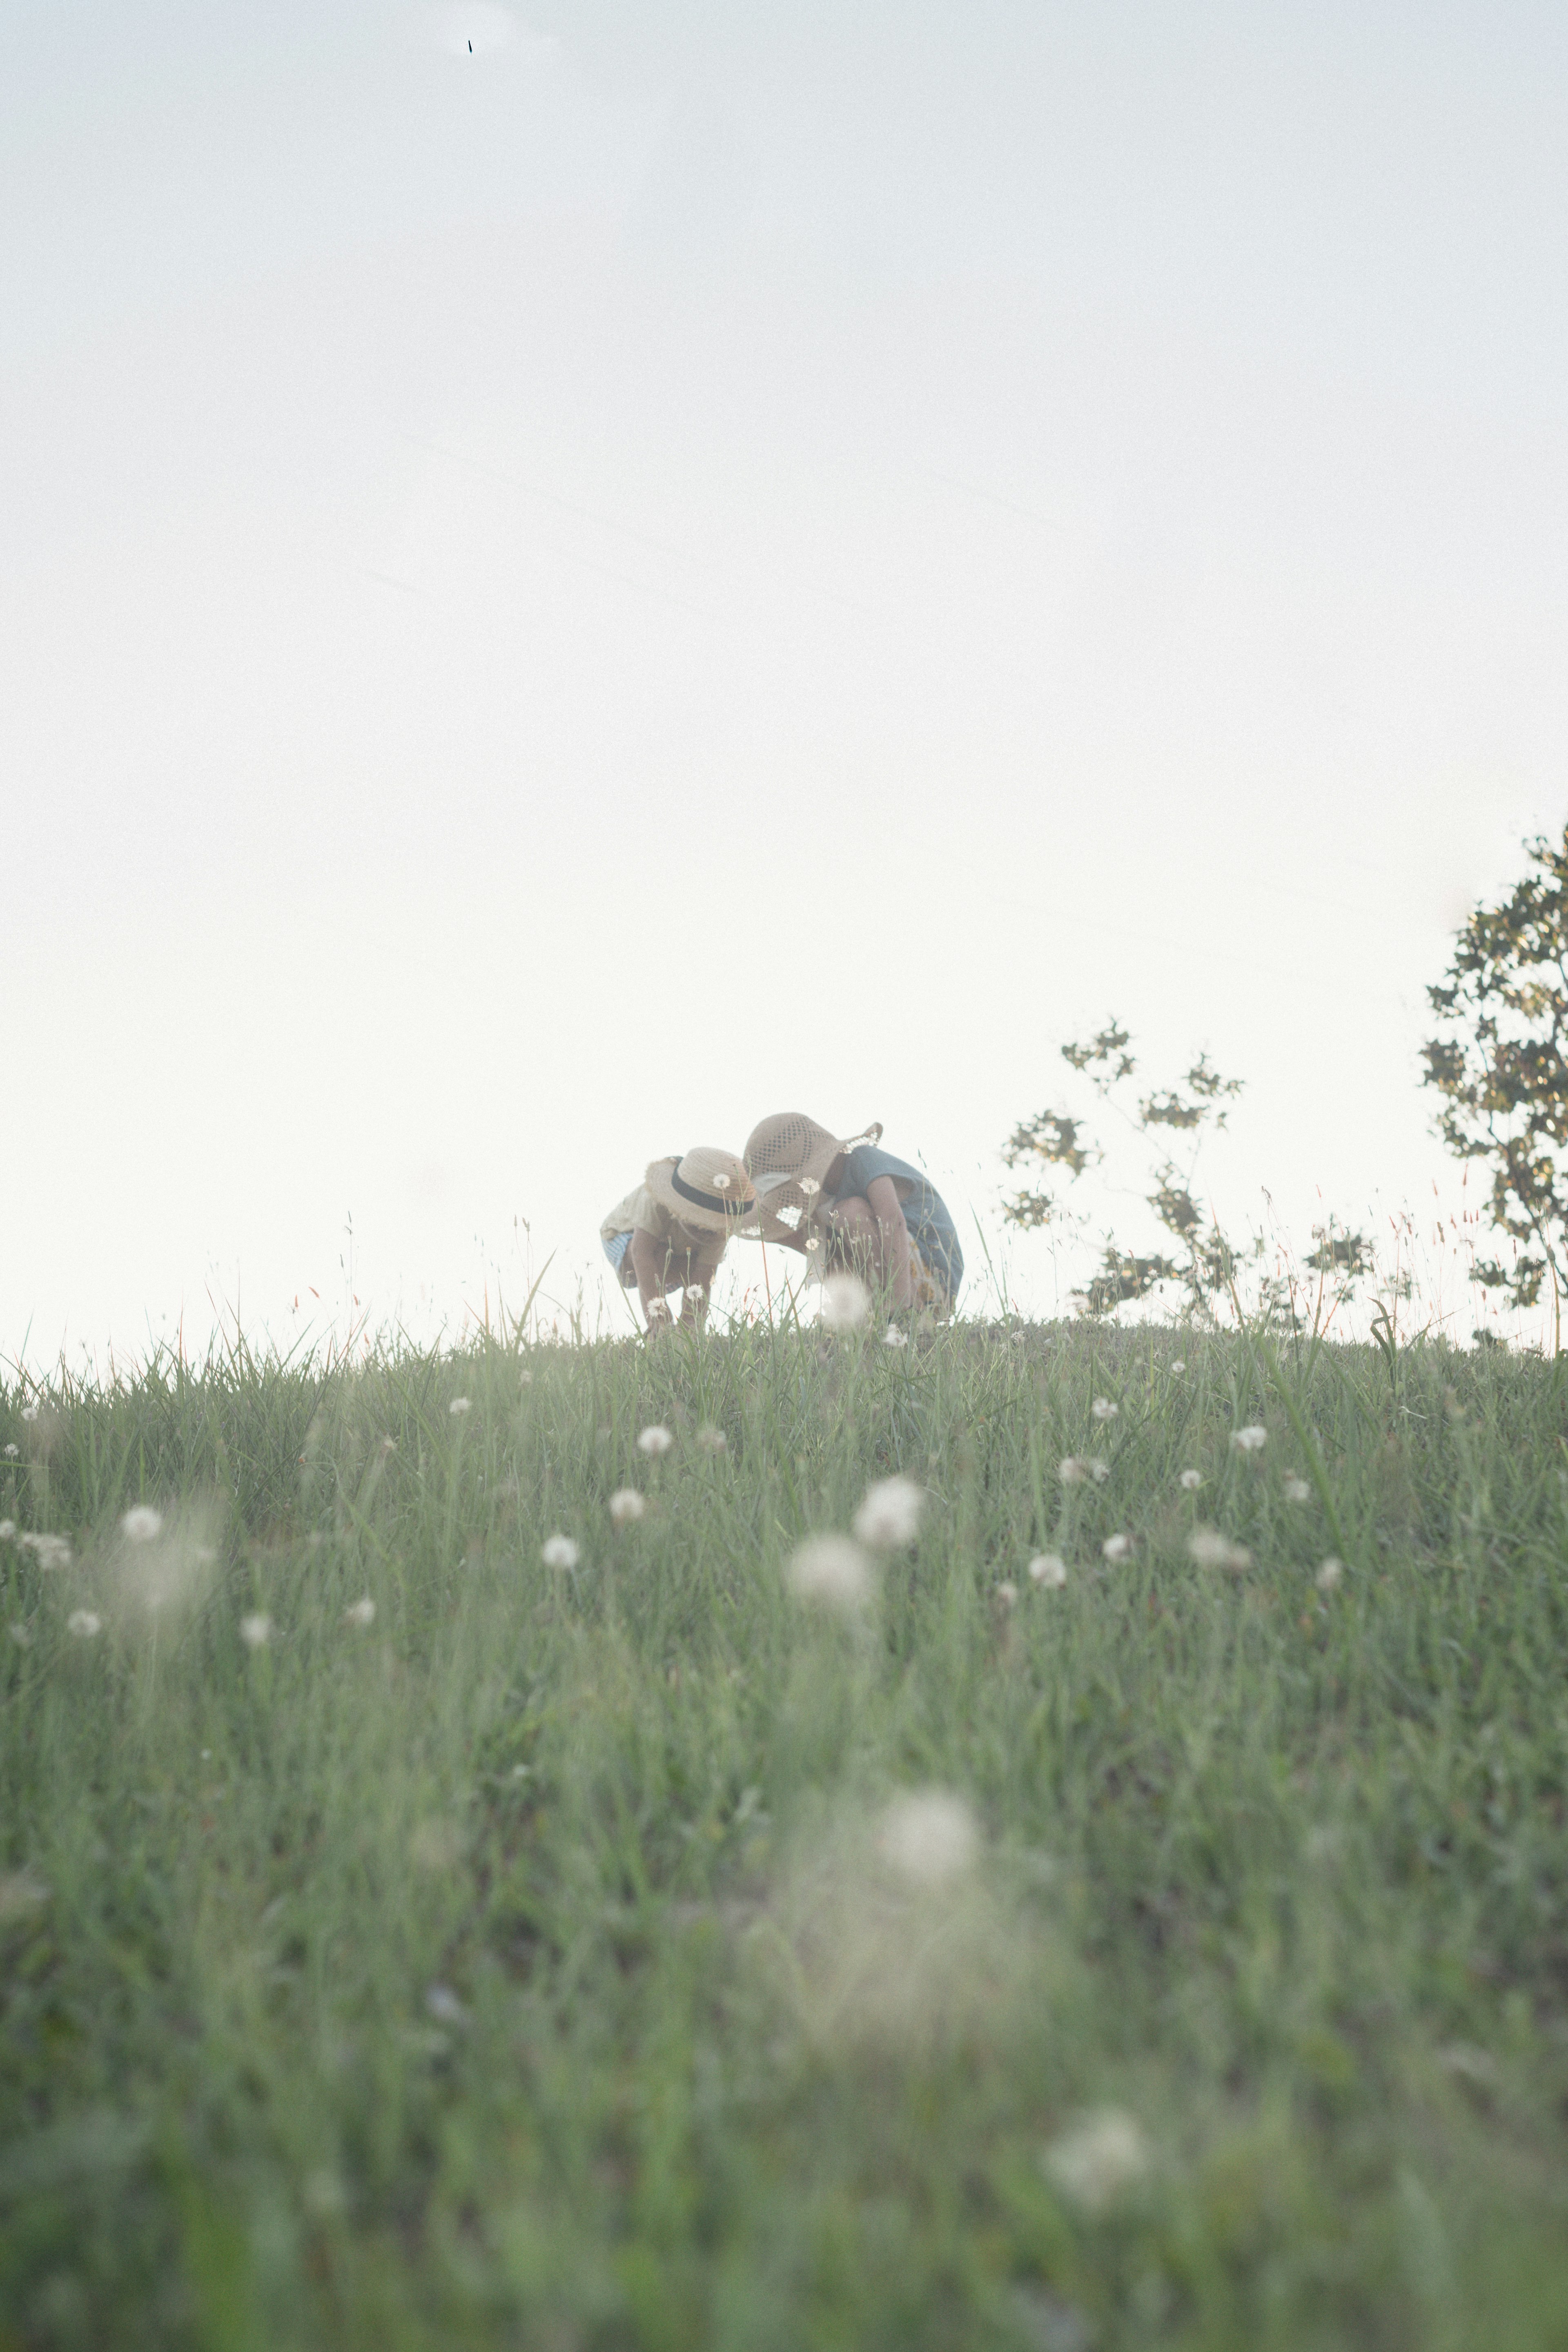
(831, 1572)
(889, 1516)
(1210, 1549)
(1099, 2160)
(846, 1302)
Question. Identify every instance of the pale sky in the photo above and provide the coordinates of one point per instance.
(687, 562)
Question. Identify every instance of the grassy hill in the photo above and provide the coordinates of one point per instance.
(407, 1943)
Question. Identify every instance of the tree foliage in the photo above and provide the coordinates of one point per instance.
(1501, 1064)
(1193, 1256)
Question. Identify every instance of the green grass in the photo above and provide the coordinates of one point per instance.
(525, 1967)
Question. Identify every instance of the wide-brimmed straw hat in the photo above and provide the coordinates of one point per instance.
(706, 1189)
(788, 1156)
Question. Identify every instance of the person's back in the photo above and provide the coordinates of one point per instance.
(856, 1204)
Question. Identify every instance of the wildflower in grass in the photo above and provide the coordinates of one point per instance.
(627, 1506)
(388, 1445)
(1049, 1570)
(809, 1186)
(84, 1623)
(1212, 1549)
(7, 1529)
(11, 1452)
(1179, 1366)
(831, 1572)
(21, 1634)
(1329, 1575)
(141, 1523)
(360, 1613)
(526, 1378)
(846, 1302)
(929, 1837)
(1191, 1480)
(1099, 2160)
(459, 1406)
(655, 1440)
(889, 1516)
(1073, 1470)
(49, 1551)
(1117, 1549)
(895, 1337)
(1298, 1491)
(813, 1243)
(1251, 1440)
(445, 2007)
(721, 1182)
(1008, 1592)
(712, 1440)
(255, 1631)
(29, 1412)
(559, 1551)
(1103, 1410)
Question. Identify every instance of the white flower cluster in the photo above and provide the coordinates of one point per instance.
(1210, 1549)
(1077, 1467)
(655, 1440)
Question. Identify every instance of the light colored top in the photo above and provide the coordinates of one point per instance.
(640, 1212)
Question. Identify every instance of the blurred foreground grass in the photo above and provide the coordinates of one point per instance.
(556, 1957)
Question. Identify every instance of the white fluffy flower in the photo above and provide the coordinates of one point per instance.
(141, 1523)
(7, 1529)
(846, 1302)
(830, 1572)
(84, 1623)
(810, 1187)
(1251, 1440)
(1298, 1491)
(1117, 1549)
(559, 1551)
(1103, 2155)
(1072, 1471)
(895, 1335)
(721, 1182)
(1330, 1574)
(1008, 1592)
(49, 1551)
(889, 1516)
(1191, 1480)
(655, 1440)
(255, 1631)
(1049, 1568)
(929, 1838)
(11, 1452)
(360, 1613)
(20, 1633)
(1103, 1410)
(459, 1406)
(626, 1504)
(29, 1412)
(712, 1440)
(1179, 1366)
(525, 1379)
(1210, 1549)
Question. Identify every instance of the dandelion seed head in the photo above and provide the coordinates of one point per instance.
(21, 1634)
(655, 1440)
(889, 1516)
(1008, 1592)
(360, 1613)
(929, 1838)
(1191, 1480)
(895, 1335)
(1072, 1471)
(846, 1302)
(1298, 1491)
(49, 1551)
(141, 1523)
(1099, 2160)
(720, 1182)
(7, 1529)
(12, 1452)
(712, 1440)
(1179, 1366)
(627, 1506)
(1099, 1468)
(1116, 1548)
(460, 1405)
(559, 1551)
(525, 1379)
(1049, 1570)
(1329, 1575)
(1103, 1409)
(84, 1623)
(1250, 1440)
(29, 1412)
(1210, 1549)
(831, 1572)
(255, 1631)
(813, 1243)
(809, 1186)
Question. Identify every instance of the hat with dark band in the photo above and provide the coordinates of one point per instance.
(706, 1189)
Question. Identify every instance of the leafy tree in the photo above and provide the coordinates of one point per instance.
(1501, 1064)
(1196, 1258)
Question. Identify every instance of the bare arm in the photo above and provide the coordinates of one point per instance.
(893, 1239)
(648, 1258)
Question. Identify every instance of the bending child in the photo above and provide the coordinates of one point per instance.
(857, 1206)
(670, 1233)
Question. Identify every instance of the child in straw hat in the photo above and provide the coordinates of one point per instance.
(844, 1201)
(670, 1233)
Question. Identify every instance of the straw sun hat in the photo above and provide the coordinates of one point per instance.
(789, 1156)
(705, 1189)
